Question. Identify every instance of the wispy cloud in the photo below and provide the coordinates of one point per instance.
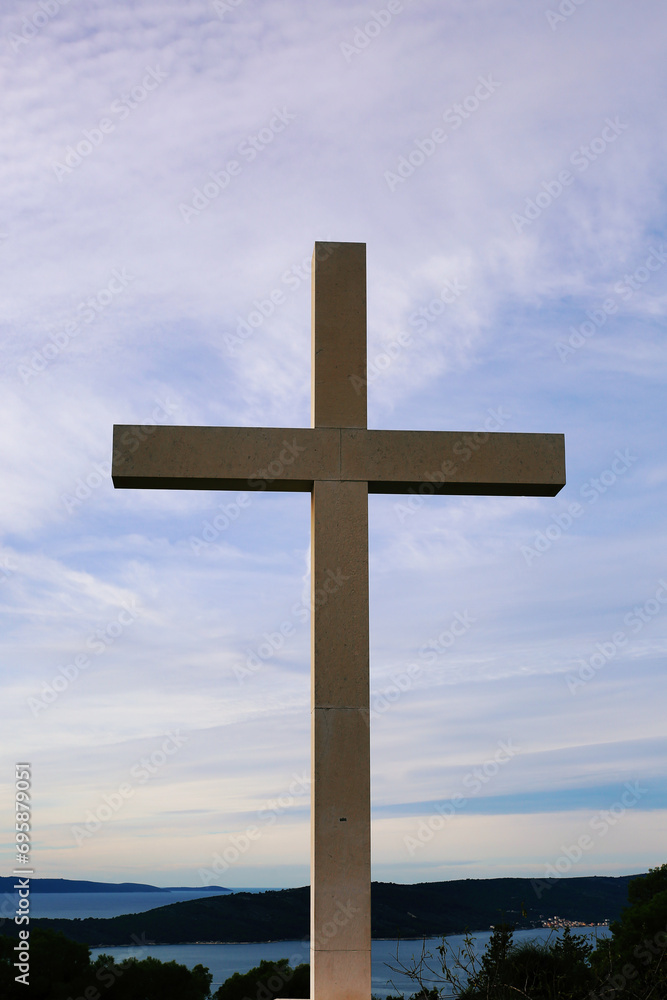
(119, 310)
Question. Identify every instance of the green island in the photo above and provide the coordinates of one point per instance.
(398, 911)
(630, 964)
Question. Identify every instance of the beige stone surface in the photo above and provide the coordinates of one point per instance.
(230, 458)
(456, 461)
(341, 976)
(288, 458)
(340, 737)
(340, 830)
(339, 595)
(341, 462)
(338, 339)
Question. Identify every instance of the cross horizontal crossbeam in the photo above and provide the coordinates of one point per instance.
(292, 459)
(340, 462)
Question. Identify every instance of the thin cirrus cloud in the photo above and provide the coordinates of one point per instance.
(521, 261)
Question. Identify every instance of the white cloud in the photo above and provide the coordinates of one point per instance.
(74, 550)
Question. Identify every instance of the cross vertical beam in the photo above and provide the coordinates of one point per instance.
(340, 461)
(338, 340)
(340, 870)
(340, 823)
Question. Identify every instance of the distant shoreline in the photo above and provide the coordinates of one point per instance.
(306, 943)
(65, 885)
(405, 912)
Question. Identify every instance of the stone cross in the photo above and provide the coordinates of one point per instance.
(339, 461)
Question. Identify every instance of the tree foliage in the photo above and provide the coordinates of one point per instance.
(61, 969)
(149, 979)
(267, 981)
(629, 965)
(552, 970)
(633, 964)
(58, 967)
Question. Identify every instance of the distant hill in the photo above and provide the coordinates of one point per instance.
(407, 911)
(199, 888)
(76, 885)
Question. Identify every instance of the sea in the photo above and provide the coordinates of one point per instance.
(223, 960)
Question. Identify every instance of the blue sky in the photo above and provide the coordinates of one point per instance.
(168, 167)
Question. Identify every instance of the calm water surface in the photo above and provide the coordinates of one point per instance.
(223, 960)
(105, 904)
